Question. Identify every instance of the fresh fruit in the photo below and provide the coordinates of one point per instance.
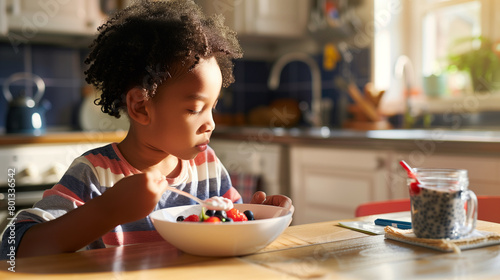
(414, 188)
(192, 218)
(204, 215)
(210, 213)
(236, 215)
(214, 220)
(249, 215)
(219, 216)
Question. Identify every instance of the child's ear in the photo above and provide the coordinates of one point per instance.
(137, 106)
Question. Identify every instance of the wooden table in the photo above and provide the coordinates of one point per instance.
(324, 250)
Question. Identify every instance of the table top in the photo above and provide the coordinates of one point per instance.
(324, 250)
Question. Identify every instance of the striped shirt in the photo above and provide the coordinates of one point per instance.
(97, 170)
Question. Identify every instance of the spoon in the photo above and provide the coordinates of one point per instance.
(213, 203)
(414, 186)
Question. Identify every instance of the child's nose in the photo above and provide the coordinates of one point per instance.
(209, 125)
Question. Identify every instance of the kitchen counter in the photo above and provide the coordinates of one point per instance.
(475, 141)
(63, 137)
(446, 140)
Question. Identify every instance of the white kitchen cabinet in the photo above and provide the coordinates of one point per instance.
(484, 178)
(256, 158)
(27, 19)
(263, 18)
(329, 183)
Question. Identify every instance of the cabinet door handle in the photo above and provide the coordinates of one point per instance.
(381, 162)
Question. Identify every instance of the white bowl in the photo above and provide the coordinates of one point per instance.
(223, 239)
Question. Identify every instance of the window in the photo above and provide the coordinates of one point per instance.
(426, 33)
(444, 25)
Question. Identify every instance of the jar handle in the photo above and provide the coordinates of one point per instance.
(471, 217)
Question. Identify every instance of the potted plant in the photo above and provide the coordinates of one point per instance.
(480, 59)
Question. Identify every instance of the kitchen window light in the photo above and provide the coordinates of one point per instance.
(426, 32)
(442, 26)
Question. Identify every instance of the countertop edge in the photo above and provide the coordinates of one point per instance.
(437, 142)
(434, 142)
(64, 137)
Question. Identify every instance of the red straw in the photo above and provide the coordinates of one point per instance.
(410, 171)
(414, 186)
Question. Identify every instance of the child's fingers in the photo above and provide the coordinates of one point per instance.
(275, 200)
(258, 197)
(158, 180)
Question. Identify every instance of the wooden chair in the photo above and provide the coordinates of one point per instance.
(488, 208)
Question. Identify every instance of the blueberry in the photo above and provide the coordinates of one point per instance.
(249, 215)
(210, 213)
(228, 220)
(220, 214)
(180, 219)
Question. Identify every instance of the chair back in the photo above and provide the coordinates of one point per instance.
(382, 207)
(488, 208)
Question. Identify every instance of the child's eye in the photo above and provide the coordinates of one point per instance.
(193, 112)
(214, 108)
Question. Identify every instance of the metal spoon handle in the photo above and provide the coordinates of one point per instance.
(186, 194)
(214, 203)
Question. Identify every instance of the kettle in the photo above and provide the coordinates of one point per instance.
(24, 113)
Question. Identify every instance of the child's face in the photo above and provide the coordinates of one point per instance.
(181, 111)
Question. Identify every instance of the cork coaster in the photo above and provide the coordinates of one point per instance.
(476, 239)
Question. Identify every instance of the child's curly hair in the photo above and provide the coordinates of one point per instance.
(141, 44)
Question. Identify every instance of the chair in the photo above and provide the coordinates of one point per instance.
(381, 207)
(488, 208)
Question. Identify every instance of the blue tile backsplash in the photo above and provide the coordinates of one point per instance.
(62, 70)
(250, 89)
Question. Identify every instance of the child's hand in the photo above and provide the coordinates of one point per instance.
(134, 197)
(276, 200)
(130, 199)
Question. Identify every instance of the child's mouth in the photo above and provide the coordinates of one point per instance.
(202, 147)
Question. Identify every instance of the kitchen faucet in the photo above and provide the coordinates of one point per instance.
(404, 71)
(314, 116)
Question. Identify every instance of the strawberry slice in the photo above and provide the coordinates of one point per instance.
(192, 218)
(236, 215)
(214, 220)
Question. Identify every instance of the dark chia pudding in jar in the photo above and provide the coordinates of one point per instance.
(437, 213)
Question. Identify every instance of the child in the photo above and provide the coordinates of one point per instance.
(163, 64)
